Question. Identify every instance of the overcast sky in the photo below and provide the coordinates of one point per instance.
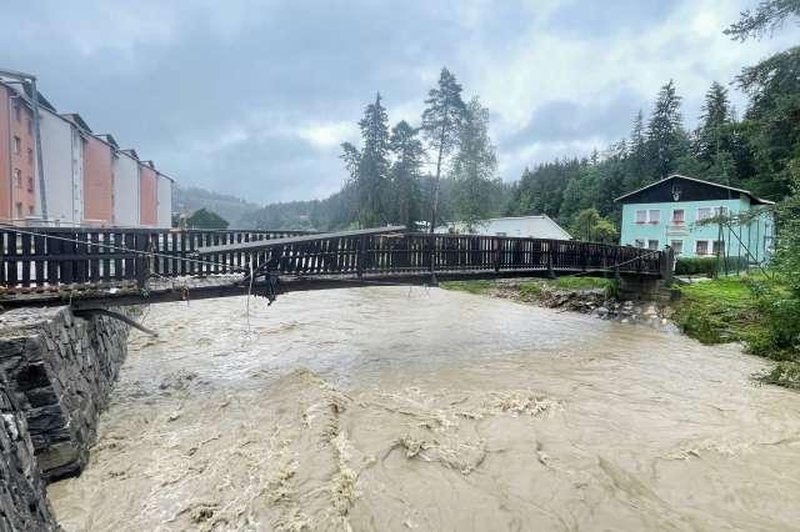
(253, 97)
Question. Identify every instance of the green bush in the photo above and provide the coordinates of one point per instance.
(709, 266)
(784, 374)
(696, 266)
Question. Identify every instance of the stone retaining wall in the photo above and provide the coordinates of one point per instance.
(23, 505)
(60, 370)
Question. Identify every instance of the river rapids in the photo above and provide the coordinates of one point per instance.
(390, 408)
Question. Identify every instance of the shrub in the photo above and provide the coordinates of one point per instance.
(696, 266)
(710, 266)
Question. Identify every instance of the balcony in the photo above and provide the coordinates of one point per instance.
(678, 228)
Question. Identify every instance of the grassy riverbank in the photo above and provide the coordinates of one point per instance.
(743, 309)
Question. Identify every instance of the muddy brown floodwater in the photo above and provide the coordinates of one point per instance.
(389, 409)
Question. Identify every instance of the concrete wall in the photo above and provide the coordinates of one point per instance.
(62, 157)
(164, 202)
(98, 176)
(148, 196)
(126, 190)
(61, 369)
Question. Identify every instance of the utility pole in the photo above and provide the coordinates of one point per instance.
(23, 78)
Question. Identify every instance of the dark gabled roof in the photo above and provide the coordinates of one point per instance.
(753, 199)
(109, 138)
(28, 88)
(76, 119)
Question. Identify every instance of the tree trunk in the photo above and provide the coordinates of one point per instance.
(435, 195)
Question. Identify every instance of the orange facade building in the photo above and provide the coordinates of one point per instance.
(17, 158)
(98, 181)
(148, 194)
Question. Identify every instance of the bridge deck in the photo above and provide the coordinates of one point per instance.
(104, 267)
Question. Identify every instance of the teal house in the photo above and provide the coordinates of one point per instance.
(669, 213)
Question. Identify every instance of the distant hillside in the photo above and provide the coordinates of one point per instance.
(236, 211)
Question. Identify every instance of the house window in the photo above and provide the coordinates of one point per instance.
(639, 243)
(641, 217)
(30, 210)
(654, 216)
(30, 127)
(678, 216)
(704, 213)
(18, 177)
(17, 145)
(701, 247)
(30, 184)
(717, 247)
(677, 246)
(652, 244)
(19, 210)
(30, 156)
(17, 111)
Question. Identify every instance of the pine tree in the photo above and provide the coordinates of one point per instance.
(408, 157)
(637, 172)
(441, 123)
(369, 166)
(714, 139)
(474, 165)
(666, 139)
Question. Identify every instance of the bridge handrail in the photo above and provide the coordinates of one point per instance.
(35, 257)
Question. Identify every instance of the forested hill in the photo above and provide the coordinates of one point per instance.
(389, 176)
(236, 211)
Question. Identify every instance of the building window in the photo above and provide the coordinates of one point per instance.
(677, 246)
(19, 210)
(639, 243)
(30, 184)
(654, 216)
(30, 156)
(17, 111)
(17, 145)
(678, 216)
(30, 127)
(720, 211)
(18, 177)
(703, 213)
(641, 217)
(652, 244)
(717, 247)
(30, 210)
(701, 247)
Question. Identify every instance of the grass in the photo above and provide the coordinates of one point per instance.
(479, 287)
(717, 311)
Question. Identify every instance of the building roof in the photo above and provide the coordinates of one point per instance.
(78, 120)
(109, 138)
(539, 223)
(753, 198)
(130, 152)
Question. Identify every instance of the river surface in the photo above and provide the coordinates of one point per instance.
(393, 409)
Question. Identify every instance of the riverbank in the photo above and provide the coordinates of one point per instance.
(587, 295)
(716, 311)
